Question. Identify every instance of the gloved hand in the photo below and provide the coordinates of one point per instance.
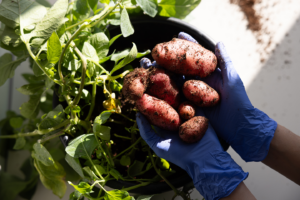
(214, 173)
(247, 129)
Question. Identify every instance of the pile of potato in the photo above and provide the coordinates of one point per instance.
(158, 97)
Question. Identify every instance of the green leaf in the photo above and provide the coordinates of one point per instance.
(111, 41)
(42, 154)
(105, 1)
(10, 186)
(145, 197)
(103, 132)
(163, 164)
(53, 48)
(31, 89)
(82, 187)
(126, 26)
(30, 109)
(90, 70)
(20, 143)
(53, 118)
(149, 7)
(9, 37)
(52, 177)
(125, 160)
(8, 66)
(115, 174)
(118, 56)
(16, 122)
(136, 168)
(50, 23)
(93, 4)
(74, 65)
(82, 146)
(75, 164)
(100, 169)
(101, 44)
(89, 51)
(115, 86)
(139, 55)
(82, 9)
(102, 118)
(37, 70)
(75, 195)
(117, 195)
(89, 172)
(129, 58)
(30, 11)
(179, 8)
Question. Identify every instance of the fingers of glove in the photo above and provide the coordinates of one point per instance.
(229, 73)
(185, 36)
(145, 63)
(214, 80)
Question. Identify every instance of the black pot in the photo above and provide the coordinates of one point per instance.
(148, 33)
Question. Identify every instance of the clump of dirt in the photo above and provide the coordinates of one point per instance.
(253, 18)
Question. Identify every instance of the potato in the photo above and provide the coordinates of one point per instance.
(159, 112)
(194, 129)
(200, 93)
(186, 110)
(161, 86)
(185, 57)
(135, 84)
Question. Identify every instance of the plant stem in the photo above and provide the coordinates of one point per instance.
(127, 117)
(123, 137)
(136, 186)
(105, 155)
(84, 62)
(41, 141)
(178, 193)
(131, 146)
(36, 132)
(93, 101)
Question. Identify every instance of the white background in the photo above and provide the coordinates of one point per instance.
(272, 85)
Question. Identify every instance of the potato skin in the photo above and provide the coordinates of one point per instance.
(135, 84)
(185, 57)
(159, 112)
(186, 110)
(161, 86)
(200, 93)
(194, 129)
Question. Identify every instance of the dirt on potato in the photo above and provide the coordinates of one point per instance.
(186, 110)
(194, 129)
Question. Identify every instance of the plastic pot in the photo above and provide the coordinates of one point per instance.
(148, 33)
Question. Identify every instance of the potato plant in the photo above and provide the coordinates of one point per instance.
(68, 46)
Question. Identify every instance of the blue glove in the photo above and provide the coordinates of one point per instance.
(214, 173)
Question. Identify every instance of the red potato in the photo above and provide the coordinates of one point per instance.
(186, 110)
(194, 129)
(159, 112)
(135, 84)
(185, 57)
(162, 87)
(200, 93)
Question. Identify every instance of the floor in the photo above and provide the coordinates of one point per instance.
(269, 70)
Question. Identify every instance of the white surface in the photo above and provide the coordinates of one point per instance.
(272, 86)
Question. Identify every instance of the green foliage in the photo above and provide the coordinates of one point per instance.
(82, 146)
(53, 48)
(148, 6)
(126, 26)
(117, 195)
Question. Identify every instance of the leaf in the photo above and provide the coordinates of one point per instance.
(53, 118)
(90, 70)
(9, 37)
(30, 11)
(179, 8)
(31, 89)
(149, 7)
(89, 172)
(100, 169)
(126, 26)
(93, 4)
(41, 154)
(118, 56)
(75, 195)
(52, 177)
(103, 132)
(50, 22)
(117, 195)
(145, 197)
(82, 146)
(75, 164)
(111, 41)
(89, 51)
(102, 118)
(16, 122)
(74, 65)
(125, 160)
(163, 164)
(20, 143)
(37, 70)
(53, 48)
(82, 187)
(139, 55)
(82, 9)
(136, 168)
(30, 109)
(101, 44)
(10, 186)
(7, 67)
(129, 58)
(115, 174)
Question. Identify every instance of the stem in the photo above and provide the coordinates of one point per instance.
(84, 62)
(41, 141)
(127, 117)
(131, 146)
(93, 101)
(123, 137)
(119, 76)
(136, 186)
(105, 155)
(178, 193)
(87, 83)
(36, 132)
